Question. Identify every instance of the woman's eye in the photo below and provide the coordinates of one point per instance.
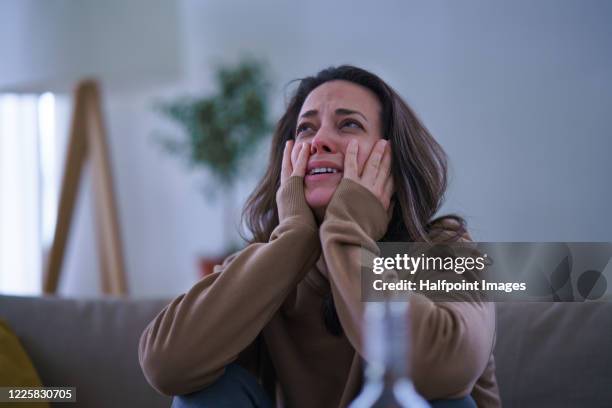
(352, 124)
(303, 129)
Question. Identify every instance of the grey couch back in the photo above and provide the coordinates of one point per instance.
(548, 355)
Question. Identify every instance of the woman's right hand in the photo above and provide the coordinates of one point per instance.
(290, 197)
(295, 160)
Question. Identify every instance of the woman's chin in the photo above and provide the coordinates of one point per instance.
(319, 198)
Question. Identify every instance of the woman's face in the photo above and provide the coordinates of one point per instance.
(333, 114)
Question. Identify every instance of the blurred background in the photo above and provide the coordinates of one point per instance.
(518, 93)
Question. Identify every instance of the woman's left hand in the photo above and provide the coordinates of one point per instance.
(376, 175)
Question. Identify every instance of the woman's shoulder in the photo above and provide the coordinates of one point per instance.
(448, 228)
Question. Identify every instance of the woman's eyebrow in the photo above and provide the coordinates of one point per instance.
(344, 111)
(309, 114)
(339, 111)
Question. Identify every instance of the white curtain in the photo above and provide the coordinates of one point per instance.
(32, 142)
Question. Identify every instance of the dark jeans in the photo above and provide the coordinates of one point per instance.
(238, 388)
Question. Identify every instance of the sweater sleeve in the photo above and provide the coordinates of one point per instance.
(451, 341)
(188, 344)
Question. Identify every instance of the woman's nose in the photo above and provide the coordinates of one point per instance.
(322, 143)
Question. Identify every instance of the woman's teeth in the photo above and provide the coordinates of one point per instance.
(322, 170)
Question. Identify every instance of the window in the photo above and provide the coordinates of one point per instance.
(33, 134)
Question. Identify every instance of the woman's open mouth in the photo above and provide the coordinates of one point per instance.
(322, 173)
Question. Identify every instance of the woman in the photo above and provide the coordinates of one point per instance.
(350, 165)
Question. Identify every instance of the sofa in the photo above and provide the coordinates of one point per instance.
(547, 354)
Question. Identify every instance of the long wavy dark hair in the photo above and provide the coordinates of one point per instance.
(419, 169)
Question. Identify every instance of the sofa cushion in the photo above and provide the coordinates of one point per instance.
(554, 354)
(89, 344)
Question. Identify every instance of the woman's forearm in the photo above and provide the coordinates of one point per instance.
(452, 341)
(188, 344)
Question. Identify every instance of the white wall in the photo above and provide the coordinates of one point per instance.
(46, 44)
(517, 93)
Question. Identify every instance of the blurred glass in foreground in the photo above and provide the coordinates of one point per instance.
(387, 347)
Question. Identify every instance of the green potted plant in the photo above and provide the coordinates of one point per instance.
(220, 131)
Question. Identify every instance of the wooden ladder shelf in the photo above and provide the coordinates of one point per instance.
(87, 140)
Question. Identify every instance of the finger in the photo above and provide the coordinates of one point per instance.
(384, 169)
(370, 170)
(297, 147)
(351, 170)
(286, 167)
(302, 160)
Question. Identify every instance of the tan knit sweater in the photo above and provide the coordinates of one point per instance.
(263, 309)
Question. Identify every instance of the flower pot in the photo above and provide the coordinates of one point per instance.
(206, 264)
